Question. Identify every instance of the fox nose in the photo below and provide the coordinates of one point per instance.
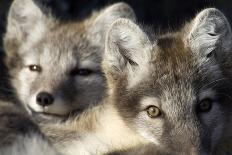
(44, 99)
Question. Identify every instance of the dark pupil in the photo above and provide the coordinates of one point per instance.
(152, 110)
(205, 105)
(35, 68)
(82, 72)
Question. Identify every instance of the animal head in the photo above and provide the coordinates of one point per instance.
(173, 89)
(55, 64)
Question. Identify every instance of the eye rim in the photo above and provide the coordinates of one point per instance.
(153, 116)
(81, 72)
(207, 100)
(35, 68)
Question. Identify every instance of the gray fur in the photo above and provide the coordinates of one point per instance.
(37, 38)
(29, 145)
(167, 73)
(179, 77)
(19, 135)
(210, 30)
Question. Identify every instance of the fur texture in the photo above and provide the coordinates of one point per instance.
(182, 75)
(19, 135)
(28, 145)
(66, 54)
(185, 69)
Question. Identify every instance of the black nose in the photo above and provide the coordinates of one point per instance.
(44, 99)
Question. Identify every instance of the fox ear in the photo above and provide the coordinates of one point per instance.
(209, 30)
(127, 49)
(107, 16)
(25, 16)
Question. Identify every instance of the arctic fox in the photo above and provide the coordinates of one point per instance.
(171, 91)
(55, 65)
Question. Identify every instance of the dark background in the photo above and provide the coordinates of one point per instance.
(160, 14)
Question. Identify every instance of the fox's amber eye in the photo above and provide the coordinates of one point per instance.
(153, 111)
(81, 72)
(35, 68)
(205, 105)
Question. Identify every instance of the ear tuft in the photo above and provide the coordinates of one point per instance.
(209, 30)
(24, 17)
(127, 47)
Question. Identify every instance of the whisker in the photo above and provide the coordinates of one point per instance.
(214, 83)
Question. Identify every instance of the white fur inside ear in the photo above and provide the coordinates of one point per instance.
(202, 40)
(209, 30)
(128, 49)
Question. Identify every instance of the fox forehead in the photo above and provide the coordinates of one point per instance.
(175, 58)
(177, 73)
(174, 62)
(64, 42)
(68, 36)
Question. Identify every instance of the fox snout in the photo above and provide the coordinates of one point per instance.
(49, 103)
(44, 99)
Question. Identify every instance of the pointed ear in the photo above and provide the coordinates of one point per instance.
(209, 31)
(23, 18)
(127, 50)
(107, 16)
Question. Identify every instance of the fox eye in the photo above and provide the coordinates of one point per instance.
(205, 105)
(153, 111)
(35, 68)
(81, 72)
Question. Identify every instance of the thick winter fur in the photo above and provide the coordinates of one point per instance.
(13, 122)
(68, 53)
(19, 135)
(29, 145)
(177, 77)
(174, 72)
(98, 130)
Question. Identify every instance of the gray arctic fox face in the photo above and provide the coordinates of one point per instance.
(174, 90)
(55, 65)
